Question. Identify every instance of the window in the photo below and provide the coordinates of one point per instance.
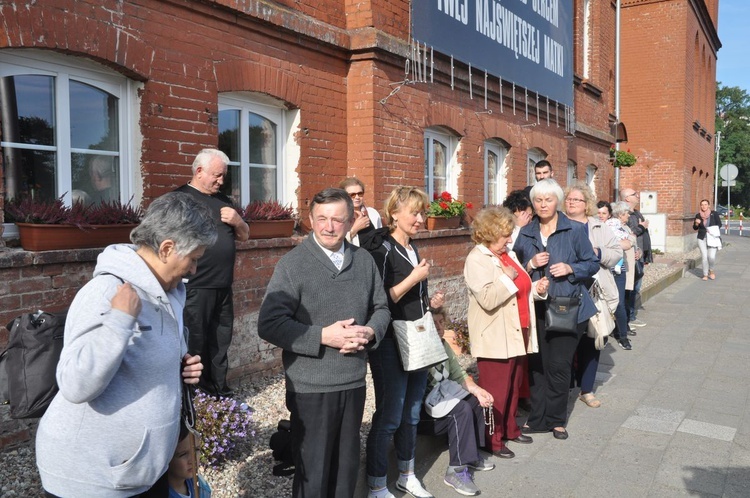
(532, 157)
(439, 149)
(253, 131)
(65, 128)
(586, 39)
(591, 175)
(495, 172)
(571, 172)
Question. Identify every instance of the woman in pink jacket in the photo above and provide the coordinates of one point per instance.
(502, 330)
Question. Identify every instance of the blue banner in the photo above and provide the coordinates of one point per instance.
(527, 42)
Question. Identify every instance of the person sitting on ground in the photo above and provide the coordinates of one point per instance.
(459, 414)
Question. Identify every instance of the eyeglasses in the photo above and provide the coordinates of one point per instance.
(634, 194)
(356, 194)
(570, 199)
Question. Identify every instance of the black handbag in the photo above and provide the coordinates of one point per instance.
(562, 314)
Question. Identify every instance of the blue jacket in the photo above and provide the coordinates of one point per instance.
(570, 244)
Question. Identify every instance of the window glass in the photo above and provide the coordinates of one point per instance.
(438, 152)
(262, 140)
(29, 101)
(492, 176)
(30, 172)
(229, 133)
(93, 125)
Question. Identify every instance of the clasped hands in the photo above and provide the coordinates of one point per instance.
(556, 270)
(347, 336)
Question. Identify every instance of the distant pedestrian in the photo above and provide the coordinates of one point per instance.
(704, 219)
(639, 226)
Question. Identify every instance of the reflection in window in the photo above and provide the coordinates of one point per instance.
(438, 149)
(496, 172)
(249, 135)
(39, 161)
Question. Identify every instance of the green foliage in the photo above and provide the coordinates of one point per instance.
(733, 121)
(447, 206)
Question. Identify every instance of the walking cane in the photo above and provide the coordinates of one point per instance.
(189, 416)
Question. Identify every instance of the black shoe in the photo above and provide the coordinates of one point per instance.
(522, 439)
(625, 344)
(504, 452)
(632, 332)
(563, 434)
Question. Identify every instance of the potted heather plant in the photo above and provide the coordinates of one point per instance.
(51, 225)
(269, 219)
(445, 211)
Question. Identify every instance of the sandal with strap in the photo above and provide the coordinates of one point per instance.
(590, 400)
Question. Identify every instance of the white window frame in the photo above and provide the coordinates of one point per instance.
(501, 174)
(64, 69)
(287, 151)
(431, 135)
(586, 46)
(591, 170)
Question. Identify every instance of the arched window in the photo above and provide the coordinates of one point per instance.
(65, 121)
(255, 131)
(591, 175)
(571, 172)
(495, 171)
(439, 161)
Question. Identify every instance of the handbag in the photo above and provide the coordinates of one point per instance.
(602, 324)
(713, 236)
(562, 314)
(419, 344)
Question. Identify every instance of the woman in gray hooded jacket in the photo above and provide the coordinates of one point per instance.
(113, 427)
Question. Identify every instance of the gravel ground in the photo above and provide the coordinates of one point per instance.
(248, 474)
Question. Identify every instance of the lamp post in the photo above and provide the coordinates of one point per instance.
(716, 174)
(617, 95)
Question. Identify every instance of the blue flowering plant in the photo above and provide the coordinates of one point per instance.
(221, 422)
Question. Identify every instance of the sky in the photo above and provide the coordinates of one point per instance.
(733, 66)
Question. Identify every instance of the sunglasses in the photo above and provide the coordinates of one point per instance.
(356, 194)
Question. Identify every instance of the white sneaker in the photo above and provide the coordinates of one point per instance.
(410, 484)
(381, 493)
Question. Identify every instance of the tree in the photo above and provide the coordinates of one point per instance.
(733, 121)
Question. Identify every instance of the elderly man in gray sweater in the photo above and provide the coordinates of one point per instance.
(325, 306)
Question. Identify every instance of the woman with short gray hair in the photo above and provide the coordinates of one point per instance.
(124, 360)
(625, 274)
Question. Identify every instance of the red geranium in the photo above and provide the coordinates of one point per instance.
(446, 196)
(443, 205)
(447, 206)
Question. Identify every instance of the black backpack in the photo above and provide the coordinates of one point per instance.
(281, 446)
(28, 365)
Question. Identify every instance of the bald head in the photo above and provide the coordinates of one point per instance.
(630, 196)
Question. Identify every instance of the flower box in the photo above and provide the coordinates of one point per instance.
(443, 223)
(41, 237)
(269, 229)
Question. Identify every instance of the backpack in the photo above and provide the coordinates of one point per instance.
(281, 446)
(29, 364)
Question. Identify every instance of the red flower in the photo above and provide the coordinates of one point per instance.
(469, 205)
(443, 205)
(435, 196)
(446, 196)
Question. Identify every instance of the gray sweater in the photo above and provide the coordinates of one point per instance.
(307, 293)
(113, 427)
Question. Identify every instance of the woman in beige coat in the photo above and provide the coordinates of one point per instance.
(502, 330)
(580, 206)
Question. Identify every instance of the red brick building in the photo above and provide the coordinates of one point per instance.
(668, 100)
(300, 95)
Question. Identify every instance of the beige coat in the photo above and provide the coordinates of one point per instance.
(494, 323)
(604, 239)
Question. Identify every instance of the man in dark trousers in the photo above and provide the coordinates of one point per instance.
(325, 306)
(209, 310)
(639, 226)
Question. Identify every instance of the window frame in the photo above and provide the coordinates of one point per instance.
(501, 150)
(431, 135)
(247, 102)
(65, 69)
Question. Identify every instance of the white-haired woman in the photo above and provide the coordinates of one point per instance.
(113, 427)
(554, 246)
(625, 277)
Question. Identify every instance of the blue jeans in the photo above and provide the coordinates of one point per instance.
(632, 296)
(398, 402)
(621, 314)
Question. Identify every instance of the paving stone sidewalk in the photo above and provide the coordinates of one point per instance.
(673, 420)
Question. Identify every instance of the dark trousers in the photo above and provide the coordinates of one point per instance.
(587, 363)
(209, 315)
(464, 426)
(621, 313)
(550, 371)
(325, 442)
(502, 379)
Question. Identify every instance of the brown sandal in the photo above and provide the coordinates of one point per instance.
(590, 400)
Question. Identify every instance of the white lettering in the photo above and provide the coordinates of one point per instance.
(457, 9)
(553, 56)
(500, 24)
(547, 9)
